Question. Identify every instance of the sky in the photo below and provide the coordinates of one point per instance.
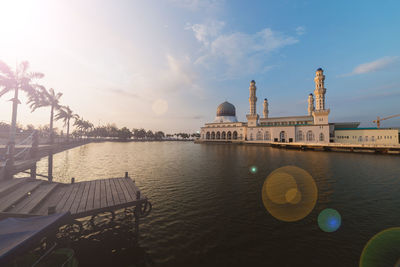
(166, 65)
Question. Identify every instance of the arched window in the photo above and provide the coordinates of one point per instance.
(259, 135)
(267, 136)
(251, 136)
(208, 135)
(300, 136)
(223, 136)
(235, 135)
(282, 136)
(213, 135)
(229, 135)
(218, 135)
(321, 137)
(310, 136)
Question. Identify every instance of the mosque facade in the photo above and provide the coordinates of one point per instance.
(311, 128)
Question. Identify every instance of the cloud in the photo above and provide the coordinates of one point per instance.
(379, 64)
(237, 53)
(124, 93)
(203, 32)
(179, 74)
(198, 4)
(300, 30)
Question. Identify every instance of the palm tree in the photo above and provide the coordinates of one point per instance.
(83, 125)
(20, 79)
(65, 114)
(87, 125)
(46, 98)
(78, 123)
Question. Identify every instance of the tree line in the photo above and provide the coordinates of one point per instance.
(85, 129)
(23, 80)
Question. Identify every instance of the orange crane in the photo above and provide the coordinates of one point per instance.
(378, 119)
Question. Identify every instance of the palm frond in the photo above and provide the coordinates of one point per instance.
(35, 75)
(23, 67)
(4, 91)
(4, 68)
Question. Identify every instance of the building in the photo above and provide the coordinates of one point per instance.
(371, 136)
(313, 128)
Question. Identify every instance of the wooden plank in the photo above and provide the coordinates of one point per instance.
(110, 201)
(22, 165)
(115, 207)
(119, 190)
(97, 196)
(18, 194)
(128, 197)
(82, 204)
(78, 198)
(6, 186)
(38, 196)
(89, 203)
(131, 184)
(129, 188)
(114, 192)
(5, 215)
(70, 201)
(103, 195)
(63, 200)
(52, 200)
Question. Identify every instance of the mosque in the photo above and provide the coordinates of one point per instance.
(311, 128)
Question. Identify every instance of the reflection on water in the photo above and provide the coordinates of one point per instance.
(208, 210)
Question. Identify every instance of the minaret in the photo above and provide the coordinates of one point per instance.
(253, 98)
(319, 90)
(265, 112)
(310, 104)
(252, 118)
(320, 113)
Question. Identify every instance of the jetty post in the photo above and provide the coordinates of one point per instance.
(34, 152)
(50, 158)
(137, 215)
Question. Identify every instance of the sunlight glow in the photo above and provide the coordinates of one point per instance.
(160, 107)
(17, 23)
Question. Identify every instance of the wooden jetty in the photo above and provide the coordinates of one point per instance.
(23, 197)
(34, 154)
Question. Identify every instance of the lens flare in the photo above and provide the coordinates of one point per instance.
(289, 193)
(253, 169)
(383, 249)
(329, 220)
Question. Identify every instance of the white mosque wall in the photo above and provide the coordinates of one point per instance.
(290, 134)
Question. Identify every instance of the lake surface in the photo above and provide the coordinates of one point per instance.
(208, 210)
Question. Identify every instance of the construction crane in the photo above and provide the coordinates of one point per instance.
(378, 119)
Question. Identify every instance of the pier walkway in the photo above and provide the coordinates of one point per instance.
(29, 159)
(24, 197)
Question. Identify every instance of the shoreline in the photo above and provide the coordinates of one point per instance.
(330, 147)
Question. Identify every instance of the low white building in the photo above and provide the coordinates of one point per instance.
(370, 136)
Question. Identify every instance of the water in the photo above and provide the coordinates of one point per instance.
(207, 206)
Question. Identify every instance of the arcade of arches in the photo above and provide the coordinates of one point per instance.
(222, 135)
